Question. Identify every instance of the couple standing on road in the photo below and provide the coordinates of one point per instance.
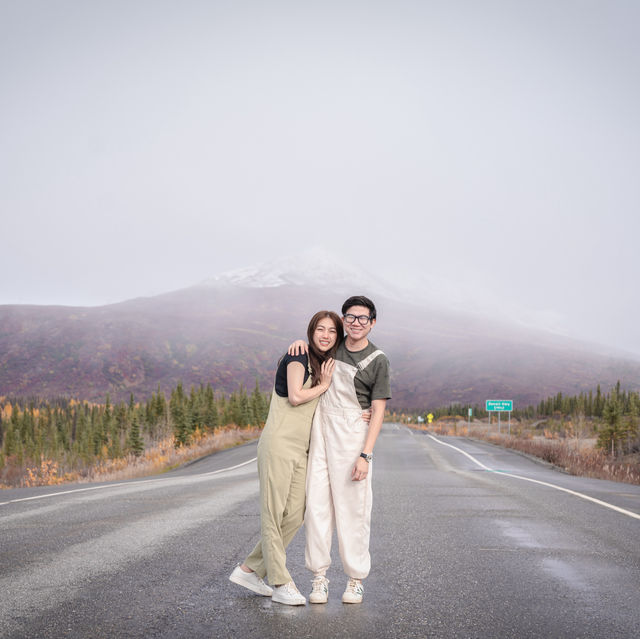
(325, 456)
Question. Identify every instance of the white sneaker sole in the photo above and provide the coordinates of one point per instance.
(250, 586)
(288, 602)
(349, 600)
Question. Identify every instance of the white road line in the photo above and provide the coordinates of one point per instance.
(473, 459)
(127, 483)
(629, 513)
(224, 470)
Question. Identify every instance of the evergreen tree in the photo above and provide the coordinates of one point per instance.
(598, 403)
(259, 406)
(82, 441)
(74, 425)
(135, 443)
(180, 426)
(631, 421)
(230, 410)
(211, 419)
(610, 436)
(121, 417)
(223, 410)
(97, 436)
(177, 408)
(194, 414)
(160, 406)
(557, 405)
(115, 445)
(10, 443)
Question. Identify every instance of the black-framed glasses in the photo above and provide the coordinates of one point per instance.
(363, 320)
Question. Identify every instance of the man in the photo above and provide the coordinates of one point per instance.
(341, 452)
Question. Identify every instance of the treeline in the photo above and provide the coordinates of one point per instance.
(591, 404)
(78, 434)
(613, 417)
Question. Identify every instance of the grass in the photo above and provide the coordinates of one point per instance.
(575, 455)
(160, 457)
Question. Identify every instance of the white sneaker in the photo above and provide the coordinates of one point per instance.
(319, 590)
(288, 594)
(353, 592)
(251, 581)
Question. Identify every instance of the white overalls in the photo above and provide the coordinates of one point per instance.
(337, 439)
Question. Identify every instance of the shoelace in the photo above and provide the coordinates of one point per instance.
(319, 585)
(291, 588)
(354, 586)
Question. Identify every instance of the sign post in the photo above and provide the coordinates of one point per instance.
(500, 406)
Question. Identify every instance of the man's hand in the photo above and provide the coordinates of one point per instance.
(298, 347)
(360, 470)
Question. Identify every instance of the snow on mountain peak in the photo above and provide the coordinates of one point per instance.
(315, 267)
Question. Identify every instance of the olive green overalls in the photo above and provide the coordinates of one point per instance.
(282, 468)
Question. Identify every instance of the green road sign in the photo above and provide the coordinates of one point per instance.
(500, 405)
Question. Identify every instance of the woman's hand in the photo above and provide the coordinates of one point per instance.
(366, 415)
(360, 470)
(326, 372)
(298, 347)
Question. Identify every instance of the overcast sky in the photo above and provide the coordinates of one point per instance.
(492, 146)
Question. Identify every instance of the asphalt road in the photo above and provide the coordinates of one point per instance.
(463, 545)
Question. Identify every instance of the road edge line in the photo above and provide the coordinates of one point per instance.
(605, 504)
(123, 483)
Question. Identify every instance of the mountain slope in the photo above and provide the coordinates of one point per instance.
(228, 331)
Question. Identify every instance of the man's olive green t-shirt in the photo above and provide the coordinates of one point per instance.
(372, 382)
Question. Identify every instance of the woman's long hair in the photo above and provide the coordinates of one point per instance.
(316, 357)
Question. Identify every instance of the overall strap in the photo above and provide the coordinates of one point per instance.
(367, 360)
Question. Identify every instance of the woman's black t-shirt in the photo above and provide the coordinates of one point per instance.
(281, 374)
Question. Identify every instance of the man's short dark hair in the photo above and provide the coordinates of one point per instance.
(360, 300)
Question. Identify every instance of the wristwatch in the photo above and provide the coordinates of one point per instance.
(367, 457)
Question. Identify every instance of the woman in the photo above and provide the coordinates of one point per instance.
(282, 459)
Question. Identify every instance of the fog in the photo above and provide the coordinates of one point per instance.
(489, 147)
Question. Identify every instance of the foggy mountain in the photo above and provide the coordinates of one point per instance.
(232, 329)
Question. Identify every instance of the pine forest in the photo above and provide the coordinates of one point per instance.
(47, 441)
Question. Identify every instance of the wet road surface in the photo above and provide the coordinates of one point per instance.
(483, 544)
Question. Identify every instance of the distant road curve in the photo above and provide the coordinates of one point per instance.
(542, 483)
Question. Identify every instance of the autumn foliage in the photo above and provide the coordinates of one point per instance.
(47, 442)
